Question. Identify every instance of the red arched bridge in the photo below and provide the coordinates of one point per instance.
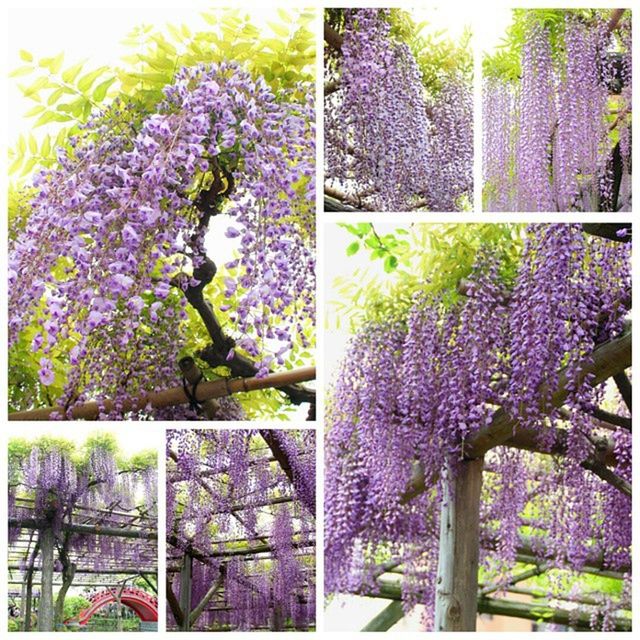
(143, 604)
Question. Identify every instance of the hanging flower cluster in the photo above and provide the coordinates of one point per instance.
(548, 139)
(248, 526)
(412, 392)
(385, 143)
(115, 228)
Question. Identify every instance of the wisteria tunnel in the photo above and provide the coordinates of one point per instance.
(241, 530)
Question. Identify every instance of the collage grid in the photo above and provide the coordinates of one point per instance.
(436, 289)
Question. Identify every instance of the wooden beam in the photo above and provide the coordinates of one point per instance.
(215, 587)
(177, 396)
(612, 418)
(519, 577)
(174, 605)
(87, 529)
(282, 457)
(624, 387)
(458, 554)
(580, 620)
(391, 590)
(605, 361)
(389, 616)
(609, 230)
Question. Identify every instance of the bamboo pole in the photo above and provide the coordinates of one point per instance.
(176, 395)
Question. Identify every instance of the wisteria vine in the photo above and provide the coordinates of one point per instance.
(245, 514)
(557, 138)
(52, 486)
(412, 391)
(99, 278)
(388, 144)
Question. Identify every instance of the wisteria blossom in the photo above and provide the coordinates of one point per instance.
(412, 391)
(116, 233)
(558, 137)
(388, 144)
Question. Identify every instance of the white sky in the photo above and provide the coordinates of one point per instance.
(130, 441)
(337, 265)
(94, 32)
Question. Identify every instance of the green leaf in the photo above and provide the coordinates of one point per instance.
(284, 16)
(54, 96)
(390, 263)
(15, 165)
(279, 29)
(353, 248)
(70, 74)
(51, 116)
(39, 108)
(21, 71)
(100, 91)
(46, 147)
(84, 84)
(275, 45)
(25, 55)
(33, 89)
(56, 63)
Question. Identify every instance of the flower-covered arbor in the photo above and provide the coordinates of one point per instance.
(241, 529)
(480, 437)
(78, 517)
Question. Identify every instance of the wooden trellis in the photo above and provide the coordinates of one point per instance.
(459, 597)
(31, 556)
(250, 550)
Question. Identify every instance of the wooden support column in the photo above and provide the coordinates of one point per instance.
(457, 581)
(277, 618)
(45, 605)
(23, 596)
(391, 614)
(185, 591)
(26, 620)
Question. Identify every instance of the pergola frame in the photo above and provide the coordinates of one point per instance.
(32, 555)
(459, 597)
(180, 560)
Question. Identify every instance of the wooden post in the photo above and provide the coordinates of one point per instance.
(45, 605)
(185, 591)
(457, 581)
(26, 621)
(277, 618)
(391, 614)
(23, 597)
